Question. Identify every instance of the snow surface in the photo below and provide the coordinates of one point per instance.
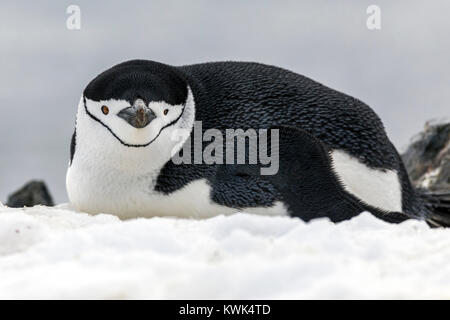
(58, 253)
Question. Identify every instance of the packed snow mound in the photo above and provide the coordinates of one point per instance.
(58, 253)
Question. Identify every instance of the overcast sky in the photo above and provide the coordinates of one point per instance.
(402, 71)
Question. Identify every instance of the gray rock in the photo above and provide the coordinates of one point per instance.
(32, 194)
(427, 159)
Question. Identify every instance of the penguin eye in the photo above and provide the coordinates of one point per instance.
(166, 112)
(105, 110)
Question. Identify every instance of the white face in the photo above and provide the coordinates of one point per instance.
(166, 115)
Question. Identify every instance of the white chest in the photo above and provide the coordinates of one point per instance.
(130, 196)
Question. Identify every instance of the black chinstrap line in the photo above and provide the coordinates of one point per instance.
(120, 140)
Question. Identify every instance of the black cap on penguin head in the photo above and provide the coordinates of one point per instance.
(139, 79)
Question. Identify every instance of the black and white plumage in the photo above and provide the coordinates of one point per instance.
(335, 158)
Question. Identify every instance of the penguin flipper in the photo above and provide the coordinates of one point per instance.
(305, 178)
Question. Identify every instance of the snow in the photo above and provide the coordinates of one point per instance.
(58, 253)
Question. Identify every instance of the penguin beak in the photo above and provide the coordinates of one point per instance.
(137, 116)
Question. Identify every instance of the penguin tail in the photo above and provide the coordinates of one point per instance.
(438, 205)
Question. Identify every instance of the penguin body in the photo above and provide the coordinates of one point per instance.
(335, 159)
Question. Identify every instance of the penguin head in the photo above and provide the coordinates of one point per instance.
(135, 101)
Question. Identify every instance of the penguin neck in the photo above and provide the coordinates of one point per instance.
(99, 152)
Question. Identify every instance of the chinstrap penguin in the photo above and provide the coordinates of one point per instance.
(335, 159)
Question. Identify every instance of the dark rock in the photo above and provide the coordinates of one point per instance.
(32, 194)
(427, 159)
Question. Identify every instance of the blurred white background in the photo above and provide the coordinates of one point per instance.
(402, 71)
